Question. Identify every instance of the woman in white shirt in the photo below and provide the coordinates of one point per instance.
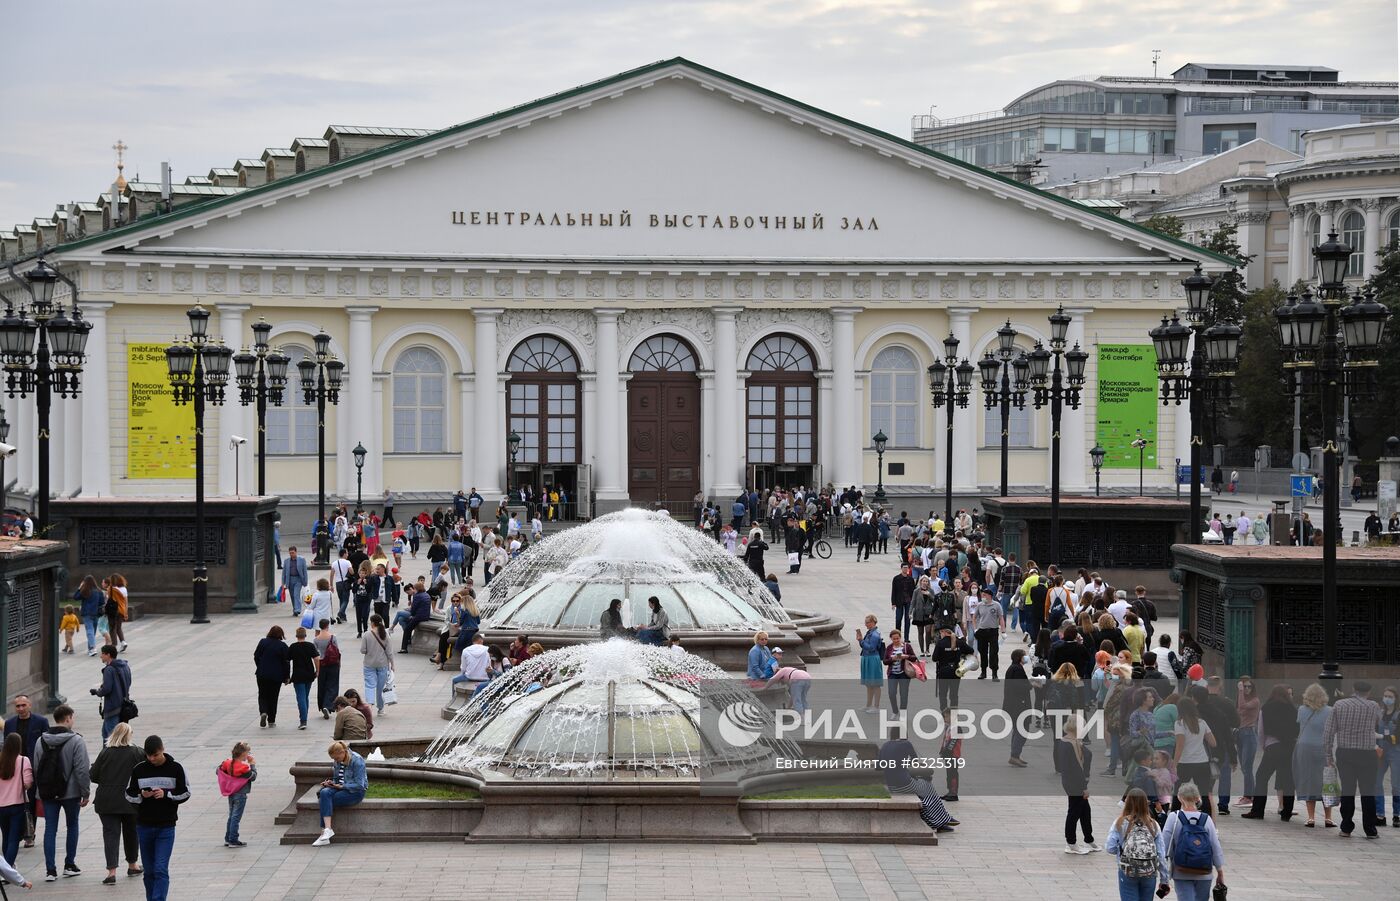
(1193, 739)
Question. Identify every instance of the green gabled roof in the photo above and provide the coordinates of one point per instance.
(1190, 251)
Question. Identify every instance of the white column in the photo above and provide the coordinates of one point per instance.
(1297, 243)
(1372, 210)
(25, 425)
(72, 448)
(58, 440)
(848, 439)
(488, 435)
(826, 441)
(965, 418)
(97, 378)
(707, 433)
(466, 402)
(379, 425)
(588, 411)
(231, 418)
(623, 436)
(729, 416)
(611, 484)
(1326, 223)
(1074, 456)
(358, 418)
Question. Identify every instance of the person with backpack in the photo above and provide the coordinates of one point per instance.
(1137, 842)
(157, 788)
(327, 667)
(111, 771)
(1034, 592)
(235, 776)
(115, 690)
(1193, 847)
(62, 778)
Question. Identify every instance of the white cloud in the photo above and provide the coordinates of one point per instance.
(204, 90)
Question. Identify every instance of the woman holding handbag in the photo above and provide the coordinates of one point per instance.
(16, 779)
(116, 610)
(327, 667)
(899, 660)
(378, 661)
(112, 771)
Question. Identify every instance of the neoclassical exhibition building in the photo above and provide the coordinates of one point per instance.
(666, 281)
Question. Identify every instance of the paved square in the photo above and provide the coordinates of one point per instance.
(195, 688)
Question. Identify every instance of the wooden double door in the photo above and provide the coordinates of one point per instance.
(663, 439)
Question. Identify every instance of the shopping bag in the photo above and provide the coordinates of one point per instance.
(308, 618)
(282, 595)
(1331, 787)
(794, 558)
(919, 670)
(391, 695)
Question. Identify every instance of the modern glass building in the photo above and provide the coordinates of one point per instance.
(1080, 127)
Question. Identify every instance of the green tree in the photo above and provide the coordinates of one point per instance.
(1226, 305)
(1165, 224)
(1263, 410)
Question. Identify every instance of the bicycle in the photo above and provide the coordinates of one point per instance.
(822, 548)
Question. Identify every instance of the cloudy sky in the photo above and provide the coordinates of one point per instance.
(202, 84)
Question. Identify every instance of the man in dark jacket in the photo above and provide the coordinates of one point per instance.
(420, 610)
(1223, 719)
(1016, 700)
(67, 792)
(29, 725)
(1072, 650)
(793, 540)
(115, 689)
(948, 652)
(901, 593)
(157, 789)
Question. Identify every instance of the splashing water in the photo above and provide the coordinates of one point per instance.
(566, 581)
(606, 710)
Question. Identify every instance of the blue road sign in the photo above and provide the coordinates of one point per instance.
(1302, 485)
(1183, 474)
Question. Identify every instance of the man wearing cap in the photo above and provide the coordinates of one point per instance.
(1349, 744)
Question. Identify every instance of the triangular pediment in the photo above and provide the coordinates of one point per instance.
(670, 162)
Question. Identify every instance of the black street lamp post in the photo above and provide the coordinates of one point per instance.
(55, 365)
(1141, 444)
(950, 383)
(1057, 387)
(199, 369)
(880, 441)
(1011, 392)
(1334, 345)
(1204, 375)
(320, 384)
(512, 447)
(1096, 455)
(359, 453)
(262, 375)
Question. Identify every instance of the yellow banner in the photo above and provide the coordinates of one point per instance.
(159, 434)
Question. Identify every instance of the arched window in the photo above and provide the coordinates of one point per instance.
(662, 353)
(894, 396)
(291, 428)
(1314, 232)
(543, 400)
(781, 402)
(419, 402)
(1392, 231)
(1019, 424)
(1354, 236)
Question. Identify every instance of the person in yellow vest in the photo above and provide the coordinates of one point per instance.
(1035, 591)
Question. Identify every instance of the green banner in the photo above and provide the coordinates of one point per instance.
(1127, 407)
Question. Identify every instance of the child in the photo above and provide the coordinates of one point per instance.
(1138, 774)
(69, 627)
(1163, 774)
(235, 776)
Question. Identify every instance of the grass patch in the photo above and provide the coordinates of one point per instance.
(823, 793)
(428, 791)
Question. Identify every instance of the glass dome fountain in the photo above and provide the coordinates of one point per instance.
(610, 710)
(564, 584)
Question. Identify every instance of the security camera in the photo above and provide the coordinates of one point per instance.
(236, 440)
(7, 450)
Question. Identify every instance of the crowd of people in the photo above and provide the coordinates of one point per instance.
(1174, 736)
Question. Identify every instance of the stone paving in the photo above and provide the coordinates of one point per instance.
(195, 688)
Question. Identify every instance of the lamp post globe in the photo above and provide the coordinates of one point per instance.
(359, 454)
(1096, 454)
(880, 439)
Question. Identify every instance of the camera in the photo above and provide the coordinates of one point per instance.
(7, 450)
(236, 440)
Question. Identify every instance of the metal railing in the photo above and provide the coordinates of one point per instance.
(1275, 104)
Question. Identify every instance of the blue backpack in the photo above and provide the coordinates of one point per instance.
(1191, 850)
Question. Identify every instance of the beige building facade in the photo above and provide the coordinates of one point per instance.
(667, 281)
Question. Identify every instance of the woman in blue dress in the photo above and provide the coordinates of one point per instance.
(872, 663)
